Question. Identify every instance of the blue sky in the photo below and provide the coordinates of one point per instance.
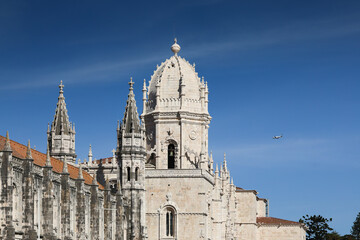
(273, 67)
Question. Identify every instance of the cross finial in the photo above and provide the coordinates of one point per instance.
(61, 86)
(131, 84)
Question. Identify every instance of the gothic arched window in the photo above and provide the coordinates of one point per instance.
(128, 174)
(171, 156)
(170, 223)
(136, 174)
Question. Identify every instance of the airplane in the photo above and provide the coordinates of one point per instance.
(277, 137)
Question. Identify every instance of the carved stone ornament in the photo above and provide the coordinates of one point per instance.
(193, 135)
(170, 132)
(150, 136)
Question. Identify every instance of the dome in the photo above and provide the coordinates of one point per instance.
(175, 78)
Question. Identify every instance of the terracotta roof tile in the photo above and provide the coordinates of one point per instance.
(104, 160)
(275, 221)
(19, 151)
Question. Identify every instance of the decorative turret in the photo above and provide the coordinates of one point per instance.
(131, 157)
(61, 134)
(144, 97)
(90, 155)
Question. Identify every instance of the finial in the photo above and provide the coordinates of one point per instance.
(107, 183)
(48, 130)
(131, 84)
(80, 176)
(28, 151)
(94, 182)
(118, 186)
(61, 86)
(65, 168)
(175, 48)
(48, 162)
(7, 146)
(225, 163)
(144, 86)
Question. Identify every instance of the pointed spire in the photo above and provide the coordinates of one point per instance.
(61, 124)
(90, 154)
(131, 121)
(217, 171)
(48, 161)
(48, 129)
(94, 181)
(28, 151)
(107, 183)
(80, 176)
(144, 85)
(225, 163)
(118, 185)
(7, 146)
(211, 162)
(65, 167)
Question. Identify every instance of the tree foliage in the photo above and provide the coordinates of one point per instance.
(355, 230)
(317, 227)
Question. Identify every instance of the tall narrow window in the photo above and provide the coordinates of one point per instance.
(169, 223)
(171, 156)
(136, 174)
(128, 173)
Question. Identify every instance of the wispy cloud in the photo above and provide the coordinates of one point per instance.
(105, 71)
(291, 151)
(108, 71)
(294, 32)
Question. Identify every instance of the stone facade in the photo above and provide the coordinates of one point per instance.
(160, 183)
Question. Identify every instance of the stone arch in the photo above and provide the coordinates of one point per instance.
(169, 143)
(168, 221)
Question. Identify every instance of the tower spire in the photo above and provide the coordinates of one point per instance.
(61, 133)
(131, 121)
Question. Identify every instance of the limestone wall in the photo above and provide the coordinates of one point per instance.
(281, 232)
(187, 196)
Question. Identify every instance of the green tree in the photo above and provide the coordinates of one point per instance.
(333, 236)
(355, 230)
(317, 227)
(348, 237)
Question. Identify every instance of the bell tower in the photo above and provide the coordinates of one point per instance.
(61, 134)
(176, 117)
(131, 158)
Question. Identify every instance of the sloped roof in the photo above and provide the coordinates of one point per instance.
(275, 221)
(19, 151)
